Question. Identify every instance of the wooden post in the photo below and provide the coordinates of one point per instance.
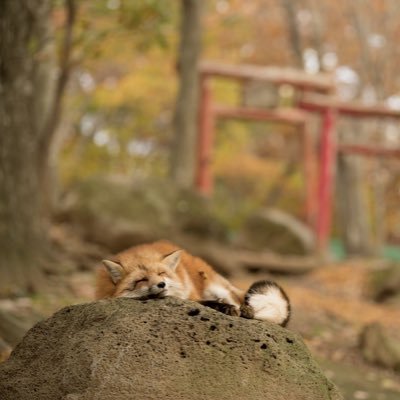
(204, 181)
(326, 179)
(309, 166)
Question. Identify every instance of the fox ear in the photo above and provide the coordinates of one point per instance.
(172, 260)
(115, 270)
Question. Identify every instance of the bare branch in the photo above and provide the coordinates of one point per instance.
(64, 72)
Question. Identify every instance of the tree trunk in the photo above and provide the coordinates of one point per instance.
(371, 68)
(290, 8)
(26, 54)
(351, 196)
(352, 207)
(185, 120)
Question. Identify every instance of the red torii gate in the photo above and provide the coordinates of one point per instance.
(334, 108)
(318, 202)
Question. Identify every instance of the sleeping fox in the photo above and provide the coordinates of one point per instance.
(161, 269)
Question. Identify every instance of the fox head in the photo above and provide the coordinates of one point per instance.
(150, 279)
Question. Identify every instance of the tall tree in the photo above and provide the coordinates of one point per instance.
(30, 96)
(185, 120)
(353, 202)
(290, 8)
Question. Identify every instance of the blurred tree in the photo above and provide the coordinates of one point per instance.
(185, 121)
(119, 114)
(352, 201)
(291, 7)
(352, 182)
(29, 110)
(128, 87)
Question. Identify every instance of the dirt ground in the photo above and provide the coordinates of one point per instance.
(330, 307)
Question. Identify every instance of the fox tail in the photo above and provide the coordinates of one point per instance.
(267, 301)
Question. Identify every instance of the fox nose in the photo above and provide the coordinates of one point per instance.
(161, 285)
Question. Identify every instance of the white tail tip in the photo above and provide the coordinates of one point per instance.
(265, 300)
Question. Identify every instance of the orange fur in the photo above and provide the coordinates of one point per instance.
(161, 269)
(201, 279)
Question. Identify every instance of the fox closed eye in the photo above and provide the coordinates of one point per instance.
(141, 280)
(135, 284)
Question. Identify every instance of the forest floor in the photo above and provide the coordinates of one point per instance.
(330, 308)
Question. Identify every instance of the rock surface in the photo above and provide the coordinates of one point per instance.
(159, 349)
(385, 283)
(378, 347)
(278, 231)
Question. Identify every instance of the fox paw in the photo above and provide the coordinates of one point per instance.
(225, 308)
(246, 311)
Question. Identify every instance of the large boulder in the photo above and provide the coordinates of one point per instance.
(278, 231)
(159, 349)
(378, 347)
